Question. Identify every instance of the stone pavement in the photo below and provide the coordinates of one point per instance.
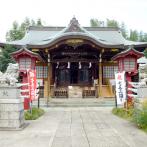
(76, 127)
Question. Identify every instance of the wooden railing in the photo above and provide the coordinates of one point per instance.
(60, 92)
(89, 92)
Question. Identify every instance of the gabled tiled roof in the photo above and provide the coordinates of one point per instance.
(129, 51)
(25, 51)
(103, 36)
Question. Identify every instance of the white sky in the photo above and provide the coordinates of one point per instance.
(59, 12)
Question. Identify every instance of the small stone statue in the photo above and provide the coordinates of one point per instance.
(10, 77)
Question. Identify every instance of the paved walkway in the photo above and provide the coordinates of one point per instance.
(76, 127)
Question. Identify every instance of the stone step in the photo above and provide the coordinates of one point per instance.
(75, 92)
(78, 102)
(80, 105)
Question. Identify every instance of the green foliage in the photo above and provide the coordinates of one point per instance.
(109, 23)
(143, 37)
(132, 35)
(123, 30)
(140, 116)
(112, 23)
(5, 57)
(18, 31)
(15, 33)
(123, 113)
(96, 23)
(36, 113)
(145, 52)
(39, 22)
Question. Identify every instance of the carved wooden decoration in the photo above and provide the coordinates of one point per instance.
(74, 26)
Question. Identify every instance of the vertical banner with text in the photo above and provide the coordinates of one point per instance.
(120, 88)
(32, 84)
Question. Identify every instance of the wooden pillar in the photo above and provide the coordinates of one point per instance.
(49, 80)
(100, 77)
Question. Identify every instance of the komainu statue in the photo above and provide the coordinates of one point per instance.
(10, 77)
(143, 74)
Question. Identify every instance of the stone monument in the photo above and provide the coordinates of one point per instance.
(11, 102)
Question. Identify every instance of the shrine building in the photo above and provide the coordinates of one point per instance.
(76, 61)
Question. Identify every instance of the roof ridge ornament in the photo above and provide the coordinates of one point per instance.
(74, 26)
(74, 21)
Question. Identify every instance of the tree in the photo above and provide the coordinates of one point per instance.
(123, 30)
(39, 22)
(15, 33)
(96, 23)
(133, 35)
(18, 31)
(112, 23)
(5, 57)
(145, 37)
(109, 23)
(145, 52)
(142, 36)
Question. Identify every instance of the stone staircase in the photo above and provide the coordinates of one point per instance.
(75, 92)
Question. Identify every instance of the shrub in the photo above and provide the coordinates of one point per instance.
(140, 116)
(36, 113)
(122, 112)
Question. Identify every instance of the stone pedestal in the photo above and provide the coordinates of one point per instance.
(11, 109)
(142, 92)
(138, 102)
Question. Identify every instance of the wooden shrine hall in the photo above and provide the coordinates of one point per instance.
(75, 61)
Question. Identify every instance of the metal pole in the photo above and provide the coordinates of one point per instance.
(31, 107)
(38, 101)
(115, 100)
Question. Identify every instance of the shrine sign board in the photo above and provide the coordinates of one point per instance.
(32, 84)
(121, 93)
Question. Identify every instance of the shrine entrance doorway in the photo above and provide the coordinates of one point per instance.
(74, 73)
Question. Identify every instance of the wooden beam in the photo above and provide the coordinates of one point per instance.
(75, 60)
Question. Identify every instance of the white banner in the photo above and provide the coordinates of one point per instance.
(120, 88)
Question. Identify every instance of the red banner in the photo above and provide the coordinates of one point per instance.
(32, 84)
